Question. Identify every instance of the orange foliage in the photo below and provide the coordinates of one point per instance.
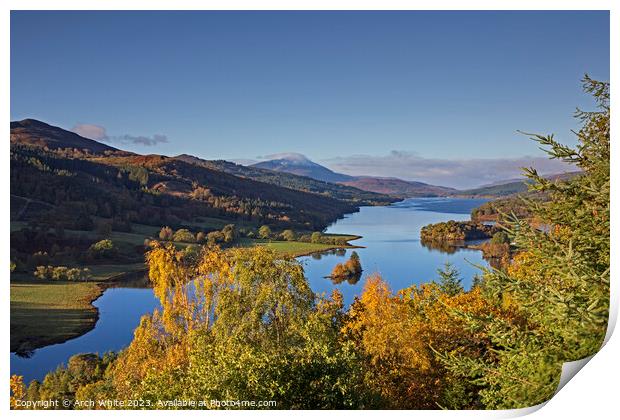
(401, 335)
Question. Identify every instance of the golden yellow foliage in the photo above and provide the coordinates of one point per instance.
(17, 391)
(401, 336)
(201, 295)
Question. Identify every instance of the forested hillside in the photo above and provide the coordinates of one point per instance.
(75, 179)
(38, 133)
(290, 180)
(399, 188)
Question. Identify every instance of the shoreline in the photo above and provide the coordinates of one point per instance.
(332, 248)
(309, 254)
(90, 322)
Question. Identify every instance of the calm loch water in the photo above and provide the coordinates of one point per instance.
(120, 310)
(392, 248)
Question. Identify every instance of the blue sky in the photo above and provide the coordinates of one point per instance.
(375, 93)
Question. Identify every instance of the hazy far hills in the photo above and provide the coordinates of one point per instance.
(398, 187)
(511, 187)
(290, 180)
(298, 164)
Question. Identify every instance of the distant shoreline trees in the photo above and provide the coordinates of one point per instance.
(456, 231)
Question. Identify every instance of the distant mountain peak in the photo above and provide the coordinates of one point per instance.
(298, 164)
(291, 157)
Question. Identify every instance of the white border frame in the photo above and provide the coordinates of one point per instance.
(592, 394)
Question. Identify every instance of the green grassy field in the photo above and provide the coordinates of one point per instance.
(47, 312)
(211, 223)
(107, 272)
(293, 248)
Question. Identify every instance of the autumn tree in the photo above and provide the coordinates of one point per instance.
(289, 235)
(399, 337)
(353, 265)
(184, 235)
(18, 391)
(230, 233)
(166, 233)
(215, 237)
(238, 324)
(264, 232)
(103, 249)
(351, 270)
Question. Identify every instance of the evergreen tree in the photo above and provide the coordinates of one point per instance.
(558, 283)
(449, 281)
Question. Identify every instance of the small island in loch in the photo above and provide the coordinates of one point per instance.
(456, 231)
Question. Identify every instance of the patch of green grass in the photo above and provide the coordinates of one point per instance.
(290, 248)
(341, 236)
(145, 230)
(48, 312)
(129, 238)
(106, 272)
(212, 223)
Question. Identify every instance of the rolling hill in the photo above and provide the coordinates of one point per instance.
(290, 180)
(504, 189)
(37, 133)
(399, 188)
(78, 179)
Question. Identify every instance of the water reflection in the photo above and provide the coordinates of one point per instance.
(391, 246)
(24, 353)
(340, 252)
(447, 247)
(351, 278)
(120, 310)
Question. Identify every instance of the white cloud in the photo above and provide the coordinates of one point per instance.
(143, 140)
(458, 173)
(243, 161)
(90, 131)
(295, 157)
(99, 133)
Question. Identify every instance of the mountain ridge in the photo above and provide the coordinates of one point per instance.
(395, 187)
(290, 180)
(38, 133)
(511, 187)
(399, 187)
(81, 179)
